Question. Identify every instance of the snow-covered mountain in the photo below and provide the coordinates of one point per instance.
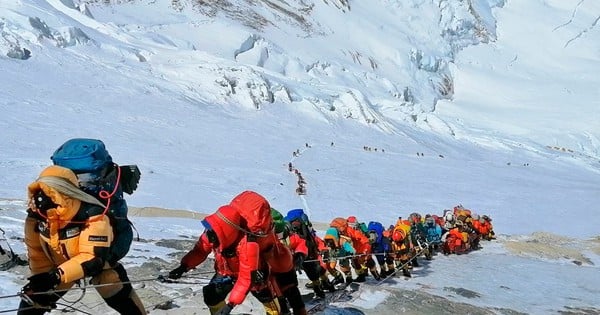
(393, 106)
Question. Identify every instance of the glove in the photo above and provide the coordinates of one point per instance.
(225, 310)
(42, 282)
(178, 272)
(130, 177)
(298, 261)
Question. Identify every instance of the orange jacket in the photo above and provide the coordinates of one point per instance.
(359, 241)
(66, 237)
(481, 228)
(457, 235)
(400, 240)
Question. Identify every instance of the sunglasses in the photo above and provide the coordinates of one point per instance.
(211, 235)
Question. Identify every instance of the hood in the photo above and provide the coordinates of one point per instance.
(256, 211)
(278, 222)
(340, 224)
(332, 233)
(222, 223)
(295, 214)
(378, 228)
(67, 207)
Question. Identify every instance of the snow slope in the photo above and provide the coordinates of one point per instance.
(492, 104)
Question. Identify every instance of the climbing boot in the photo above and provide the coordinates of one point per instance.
(318, 290)
(349, 279)
(361, 278)
(376, 274)
(327, 285)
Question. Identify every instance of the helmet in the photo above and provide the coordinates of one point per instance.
(415, 217)
(430, 221)
(352, 221)
(278, 223)
(459, 223)
(398, 235)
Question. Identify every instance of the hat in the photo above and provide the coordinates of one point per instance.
(278, 222)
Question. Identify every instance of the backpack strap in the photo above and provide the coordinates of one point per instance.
(237, 227)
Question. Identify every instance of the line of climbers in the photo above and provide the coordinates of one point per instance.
(77, 228)
(292, 245)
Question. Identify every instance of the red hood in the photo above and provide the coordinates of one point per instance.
(225, 231)
(255, 209)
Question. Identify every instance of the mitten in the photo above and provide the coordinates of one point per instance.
(178, 272)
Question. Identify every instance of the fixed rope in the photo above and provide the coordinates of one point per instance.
(67, 307)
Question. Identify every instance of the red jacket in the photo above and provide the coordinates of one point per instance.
(237, 262)
(298, 244)
(236, 255)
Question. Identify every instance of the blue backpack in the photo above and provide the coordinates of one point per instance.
(300, 224)
(105, 180)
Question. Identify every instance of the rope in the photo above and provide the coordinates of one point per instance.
(88, 286)
(154, 306)
(14, 310)
(237, 227)
(10, 296)
(343, 257)
(401, 267)
(67, 308)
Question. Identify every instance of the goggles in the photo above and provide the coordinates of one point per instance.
(211, 235)
(330, 243)
(42, 202)
(296, 226)
(372, 236)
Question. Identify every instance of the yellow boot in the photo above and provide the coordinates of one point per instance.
(272, 307)
(215, 308)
